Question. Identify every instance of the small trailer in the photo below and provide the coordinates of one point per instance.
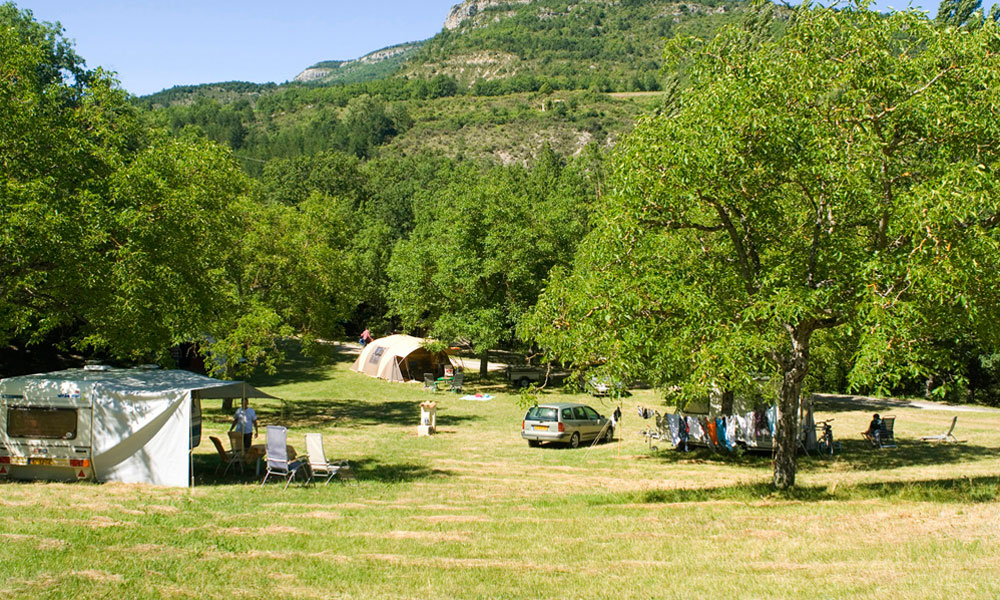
(104, 424)
(524, 375)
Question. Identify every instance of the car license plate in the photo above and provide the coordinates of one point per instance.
(41, 461)
(540, 427)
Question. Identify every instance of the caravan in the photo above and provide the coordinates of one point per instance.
(103, 424)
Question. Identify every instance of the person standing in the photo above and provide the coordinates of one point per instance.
(366, 337)
(245, 421)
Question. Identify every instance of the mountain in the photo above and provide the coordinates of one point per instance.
(374, 65)
(498, 82)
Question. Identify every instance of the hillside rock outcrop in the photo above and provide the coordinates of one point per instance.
(471, 8)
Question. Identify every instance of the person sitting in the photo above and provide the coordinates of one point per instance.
(874, 432)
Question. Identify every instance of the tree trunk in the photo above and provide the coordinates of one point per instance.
(727, 403)
(484, 364)
(794, 367)
(227, 405)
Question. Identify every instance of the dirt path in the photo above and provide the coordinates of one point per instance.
(881, 403)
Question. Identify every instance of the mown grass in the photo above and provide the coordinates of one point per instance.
(472, 512)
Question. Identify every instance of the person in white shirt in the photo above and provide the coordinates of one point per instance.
(245, 421)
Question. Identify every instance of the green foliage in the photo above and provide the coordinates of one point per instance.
(472, 266)
(839, 177)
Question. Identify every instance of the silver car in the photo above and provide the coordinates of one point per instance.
(565, 422)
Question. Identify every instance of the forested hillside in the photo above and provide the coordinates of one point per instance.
(495, 87)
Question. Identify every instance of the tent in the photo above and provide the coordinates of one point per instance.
(127, 425)
(400, 358)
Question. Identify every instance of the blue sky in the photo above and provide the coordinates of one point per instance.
(154, 45)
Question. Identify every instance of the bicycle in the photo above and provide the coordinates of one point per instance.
(824, 441)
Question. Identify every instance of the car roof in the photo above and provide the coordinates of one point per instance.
(560, 405)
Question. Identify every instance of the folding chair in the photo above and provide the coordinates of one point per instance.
(430, 384)
(456, 381)
(277, 457)
(239, 452)
(943, 437)
(886, 438)
(225, 457)
(317, 459)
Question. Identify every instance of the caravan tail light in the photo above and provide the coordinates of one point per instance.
(562, 427)
(79, 462)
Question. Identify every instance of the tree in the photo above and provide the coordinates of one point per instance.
(114, 238)
(471, 267)
(839, 178)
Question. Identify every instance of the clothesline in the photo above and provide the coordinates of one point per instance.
(752, 429)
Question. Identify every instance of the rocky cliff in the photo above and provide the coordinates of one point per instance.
(471, 8)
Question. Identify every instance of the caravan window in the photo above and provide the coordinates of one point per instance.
(41, 423)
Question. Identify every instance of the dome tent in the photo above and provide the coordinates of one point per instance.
(400, 358)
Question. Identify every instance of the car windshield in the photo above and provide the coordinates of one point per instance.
(541, 413)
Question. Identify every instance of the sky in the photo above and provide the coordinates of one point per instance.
(154, 45)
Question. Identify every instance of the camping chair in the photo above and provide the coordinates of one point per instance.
(885, 436)
(225, 457)
(318, 462)
(430, 384)
(943, 437)
(456, 381)
(239, 452)
(277, 457)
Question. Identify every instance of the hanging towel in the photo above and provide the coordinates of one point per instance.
(760, 427)
(731, 431)
(772, 418)
(749, 434)
(695, 431)
(720, 433)
(674, 423)
(712, 433)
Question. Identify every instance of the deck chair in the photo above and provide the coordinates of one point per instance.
(456, 382)
(277, 457)
(225, 457)
(317, 459)
(943, 437)
(430, 384)
(886, 438)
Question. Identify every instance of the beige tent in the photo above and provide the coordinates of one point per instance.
(400, 358)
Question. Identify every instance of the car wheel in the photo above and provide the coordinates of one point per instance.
(523, 382)
(534, 443)
(574, 440)
(609, 435)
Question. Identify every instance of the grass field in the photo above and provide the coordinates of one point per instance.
(473, 512)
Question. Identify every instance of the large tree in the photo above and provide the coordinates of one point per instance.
(841, 176)
(112, 236)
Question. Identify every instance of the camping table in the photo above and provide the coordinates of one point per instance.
(259, 451)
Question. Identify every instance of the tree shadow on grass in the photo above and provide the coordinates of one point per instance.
(363, 469)
(299, 367)
(964, 490)
(317, 414)
(857, 455)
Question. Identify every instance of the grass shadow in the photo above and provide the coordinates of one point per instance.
(964, 490)
(314, 414)
(857, 455)
(300, 366)
(364, 469)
